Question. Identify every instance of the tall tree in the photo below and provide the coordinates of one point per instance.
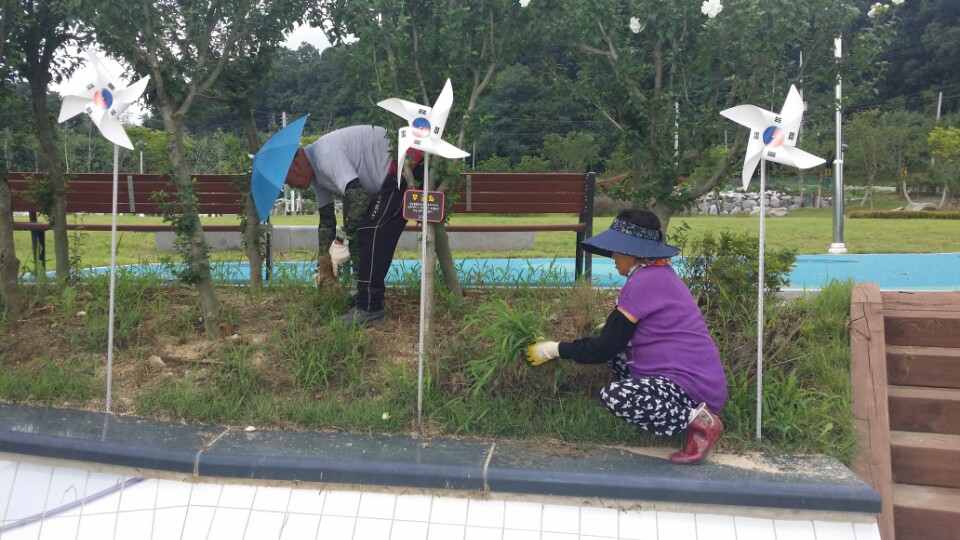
(945, 143)
(660, 72)
(43, 29)
(906, 141)
(924, 58)
(413, 47)
(869, 140)
(244, 75)
(9, 264)
(184, 45)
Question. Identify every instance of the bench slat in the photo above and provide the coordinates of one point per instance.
(518, 208)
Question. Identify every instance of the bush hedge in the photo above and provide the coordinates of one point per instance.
(890, 214)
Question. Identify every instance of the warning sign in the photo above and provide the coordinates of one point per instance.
(413, 205)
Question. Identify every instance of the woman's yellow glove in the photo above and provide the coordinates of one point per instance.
(542, 352)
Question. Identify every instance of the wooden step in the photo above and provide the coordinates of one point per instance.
(926, 459)
(921, 300)
(926, 513)
(923, 366)
(923, 328)
(929, 410)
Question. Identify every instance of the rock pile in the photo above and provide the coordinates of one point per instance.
(730, 203)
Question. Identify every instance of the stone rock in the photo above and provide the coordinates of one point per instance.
(917, 207)
(156, 362)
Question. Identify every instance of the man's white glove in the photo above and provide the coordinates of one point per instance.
(339, 254)
(542, 352)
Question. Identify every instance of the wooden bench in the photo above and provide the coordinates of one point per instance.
(93, 193)
(530, 193)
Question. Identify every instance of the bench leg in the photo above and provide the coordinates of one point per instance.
(39, 245)
(579, 260)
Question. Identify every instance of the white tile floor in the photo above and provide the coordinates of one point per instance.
(56, 500)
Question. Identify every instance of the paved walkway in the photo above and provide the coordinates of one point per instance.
(78, 474)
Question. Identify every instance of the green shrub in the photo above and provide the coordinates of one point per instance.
(889, 214)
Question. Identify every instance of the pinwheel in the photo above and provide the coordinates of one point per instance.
(425, 127)
(104, 99)
(423, 132)
(773, 137)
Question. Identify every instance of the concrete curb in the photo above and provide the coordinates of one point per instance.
(783, 482)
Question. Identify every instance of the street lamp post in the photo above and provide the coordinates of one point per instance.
(837, 246)
(140, 144)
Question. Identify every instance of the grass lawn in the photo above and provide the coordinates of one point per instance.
(805, 231)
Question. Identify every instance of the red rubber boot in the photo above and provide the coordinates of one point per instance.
(703, 431)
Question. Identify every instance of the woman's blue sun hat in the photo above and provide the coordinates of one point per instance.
(629, 239)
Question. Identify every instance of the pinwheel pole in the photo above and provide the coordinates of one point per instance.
(104, 100)
(426, 288)
(424, 131)
(760, 285)
(773, 137)
(113, 273)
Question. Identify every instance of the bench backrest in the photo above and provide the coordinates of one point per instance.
(93, 193)
(526, 193)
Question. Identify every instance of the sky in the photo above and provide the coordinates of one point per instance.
(299, 34)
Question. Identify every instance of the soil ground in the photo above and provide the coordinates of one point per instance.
(169, 341)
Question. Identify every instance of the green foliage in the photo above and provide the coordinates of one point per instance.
(889, 214)
(495, 164)
(806, 383)
(313, 373)
(40, 193)
(572, 152)
(334, 358)
(133, 295)
(47, 382)
(498, 333)
(532, 164)
(184, 225)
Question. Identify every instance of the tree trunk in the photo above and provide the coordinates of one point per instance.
(58, 213)
(448, 270)
(429, 291)
(9, 264)
(663, 212)
(195, 250)
(906, 192)
(943, 198)
(251, 229)
(441, 246)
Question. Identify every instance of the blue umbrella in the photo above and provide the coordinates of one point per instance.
(271, 164)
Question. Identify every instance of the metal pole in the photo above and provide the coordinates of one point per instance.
(113, 273)
(425, 278)
(837, 246)
(760, 280)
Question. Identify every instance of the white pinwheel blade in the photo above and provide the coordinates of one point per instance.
(794, 157)
(749, 167)
(441, 109)
(404, 109)
(792, 111)
(133, 92)
(403, 143)
(441, 148)
(110, 128)
(72, 106)
(747, 115)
